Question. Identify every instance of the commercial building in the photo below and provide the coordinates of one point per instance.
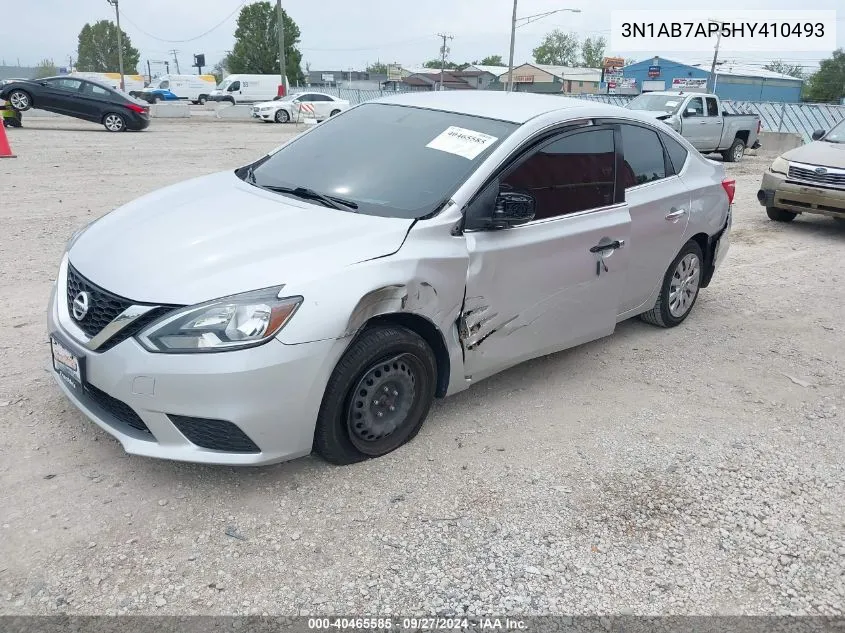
(546, 78)
(736, 82)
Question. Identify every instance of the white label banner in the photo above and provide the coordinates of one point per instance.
(741, 30)
(462, 142)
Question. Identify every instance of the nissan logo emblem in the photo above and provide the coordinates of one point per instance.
(80, 305)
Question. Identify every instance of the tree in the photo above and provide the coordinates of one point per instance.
(828, 82)
(630, 61)
(221, 69)
(377, 69)
(97, 49)
(592, 52)
(558, 49)
(491, 60)
(435, 63)
(778, 66)
(45, 68)
(256, 47)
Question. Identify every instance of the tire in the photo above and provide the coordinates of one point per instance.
(360, 389)
(334, 112)
(281, 116)
(780, 215)
(231, 100)
(202, 99)
(156, 98)
(667, 312)
(735, 152)
(114, 122)
(20, 100)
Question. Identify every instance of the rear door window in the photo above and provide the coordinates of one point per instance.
(644, 159)
(677, 153)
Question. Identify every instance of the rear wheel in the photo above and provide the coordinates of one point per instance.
(780, 215)
(202, 99)
(377, 397)
(334, 112)
(20, 100)
(680, 288)
(114, 122)
(281, 116)
(736, 151)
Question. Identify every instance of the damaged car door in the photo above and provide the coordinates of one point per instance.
(549, 257)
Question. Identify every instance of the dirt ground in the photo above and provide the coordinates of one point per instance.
(693, 470)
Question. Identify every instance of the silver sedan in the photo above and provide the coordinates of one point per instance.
(321, 297)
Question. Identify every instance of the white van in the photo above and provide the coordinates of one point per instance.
(193, 88)
(237, 89)
(132, 83)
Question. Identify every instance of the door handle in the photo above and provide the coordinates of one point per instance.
(610, 246)
(675, 214)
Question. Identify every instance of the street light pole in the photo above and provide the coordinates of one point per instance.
(528, 20)
(119, 42)
(513, 41)
(711, 80)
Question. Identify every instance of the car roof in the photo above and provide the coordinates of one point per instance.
(515, 107)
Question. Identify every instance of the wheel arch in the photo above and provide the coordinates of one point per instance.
(707, 244)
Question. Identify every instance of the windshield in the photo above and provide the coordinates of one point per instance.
(656, 103)
(837, 133)
(223, 85)
(392, 161)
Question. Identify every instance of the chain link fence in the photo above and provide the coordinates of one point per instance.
(798, 118)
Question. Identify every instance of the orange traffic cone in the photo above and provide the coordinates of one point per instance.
(5, 149)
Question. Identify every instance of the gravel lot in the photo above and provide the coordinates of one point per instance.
(697, 470)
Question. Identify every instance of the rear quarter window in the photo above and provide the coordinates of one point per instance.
(677, 152)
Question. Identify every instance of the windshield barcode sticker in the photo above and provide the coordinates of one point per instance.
(462, 142)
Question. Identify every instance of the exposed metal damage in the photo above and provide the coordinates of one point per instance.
(477, 323)
(416, 297)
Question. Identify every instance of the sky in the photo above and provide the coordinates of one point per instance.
(339, 34)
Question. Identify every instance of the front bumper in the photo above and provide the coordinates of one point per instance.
(776, 191)
(263, 116)
(270, 393)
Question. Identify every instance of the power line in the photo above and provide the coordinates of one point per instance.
(161, 39)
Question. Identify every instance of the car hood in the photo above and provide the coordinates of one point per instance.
(216, 236)
(657, 114)
(819, 153)
(275, 104)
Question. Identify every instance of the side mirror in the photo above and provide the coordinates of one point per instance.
(818, 134)
(513, 208)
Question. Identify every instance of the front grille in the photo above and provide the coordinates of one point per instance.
(103, 306)
(115, 408)
(217, 435)
(831, 178)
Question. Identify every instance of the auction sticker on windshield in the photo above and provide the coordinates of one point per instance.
(462, 142)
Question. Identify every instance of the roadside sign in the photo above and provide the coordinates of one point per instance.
(654, 71)
(394, 72)
(689, 83)
(327, 78)
(613, 62)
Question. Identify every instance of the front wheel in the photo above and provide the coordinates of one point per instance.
(334, 112)
(202, 100)
(20, 100)
(679, 290)
(114, 122)
(736, 151)
(377, 397)
(282, 116)
(780, 215)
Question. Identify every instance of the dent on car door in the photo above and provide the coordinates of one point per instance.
(659, 203)
(553, 282)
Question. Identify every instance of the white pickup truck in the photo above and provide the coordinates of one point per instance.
(700, 119)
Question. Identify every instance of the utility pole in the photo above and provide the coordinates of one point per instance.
(513, 40)
(443, 51)
(119, 42)
(711, 80)
(282, 71)
(70, 64)
(175, 52)
(149, 72)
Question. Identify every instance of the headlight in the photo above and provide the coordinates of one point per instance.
(266, 108)
(780, 166)
(229, 323)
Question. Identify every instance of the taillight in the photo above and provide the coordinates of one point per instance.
(730, 188)
(136, 108)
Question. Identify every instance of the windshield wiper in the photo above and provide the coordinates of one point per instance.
(309, 194)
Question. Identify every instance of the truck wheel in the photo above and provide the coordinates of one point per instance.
(735, 152)
(780, 215)
(377, 397)
(202, 99)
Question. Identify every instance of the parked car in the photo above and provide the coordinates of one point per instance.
(193, 88)
(807, 179)
(239, 89)
(451, 235)
(81, 99)
(701, 120)
(309, 105)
